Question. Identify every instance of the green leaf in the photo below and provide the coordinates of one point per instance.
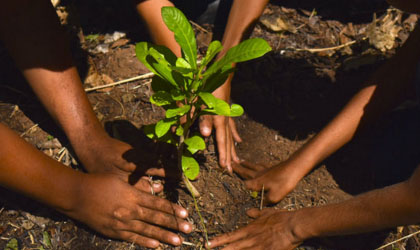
(149, 131)
(189, 166)
(161, 98)
(46, 239)
(177, 95)
(163, 126)
(236, 110)
(160, 84)
(214, 48)
(177, 111)
(160, 65)
(208, 99)
(216, 80)
(246, 50)
(176, 21)
(195, 143)
(12, 244)
(179, 130)
(222, 107)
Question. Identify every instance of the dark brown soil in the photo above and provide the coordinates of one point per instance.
(288, 97)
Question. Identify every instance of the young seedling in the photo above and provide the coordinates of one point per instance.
(183, 87)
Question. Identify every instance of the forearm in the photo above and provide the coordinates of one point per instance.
(379, 209)
(28, 171)
(31, 32)
(387, 88)
(150, 12)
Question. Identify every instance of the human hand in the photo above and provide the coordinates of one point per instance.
(114, 208)
(272, 229)
(277, 181)
(226, 136)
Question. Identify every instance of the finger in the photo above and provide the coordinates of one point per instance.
(163, 219)
(156, 172)
(243, 172)
(228, 237)
(229, 146)
(234, 156)
(154, 232)
(221, 141)
(206, 125)
(253, 166)
(139, 240)
(145, 185)
(254, 184)
(255, 212)
(159, 204)
(247, 243)
(234, 131)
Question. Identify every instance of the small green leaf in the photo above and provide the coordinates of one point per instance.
(254, 194)
(214, 48)
(92, 37)
(189, 166)
(50, 137)
(46, 239)
(149, 131)
(163, 126)
(236, 110)
(195, 143)
(208, 99)
(161, 98)
(12, 244)
(179, 130)
(177, 111)
(177, 95)
(182, 63)
(176, 21)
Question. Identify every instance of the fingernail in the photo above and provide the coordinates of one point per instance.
(177, 241)
(208, 244)
(186, 228)
(156, 185)
(183, 213)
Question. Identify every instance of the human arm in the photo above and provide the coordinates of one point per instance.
(102, 201)
(388, 86)
(375, 210)
(32, 34)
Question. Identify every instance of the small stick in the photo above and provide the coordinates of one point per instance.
(262, 198)
(188, 243)
(140, 77)
(329, 48)
(29, 130)
(199, 27)
(400, 239)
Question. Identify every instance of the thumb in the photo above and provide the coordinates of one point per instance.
(206, 125)
(254, 184)
(255, 212)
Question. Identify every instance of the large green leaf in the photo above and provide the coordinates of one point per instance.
(190, 166)
(195, 143)
(246, 50)
(177, 95)
(177, 111)
(163, 126)
(160, 65)
(214, 81)
(223, 108)
(160, 84)
(214, 48)
(176, 21)
(161, 98)
(142, 51)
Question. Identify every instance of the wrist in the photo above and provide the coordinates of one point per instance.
(301, 228)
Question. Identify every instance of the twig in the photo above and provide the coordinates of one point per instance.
(29, 130)
(140, 77)
(329, 48)
(262, 198)
(400, 239)
(199, 27)
(188, 243)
